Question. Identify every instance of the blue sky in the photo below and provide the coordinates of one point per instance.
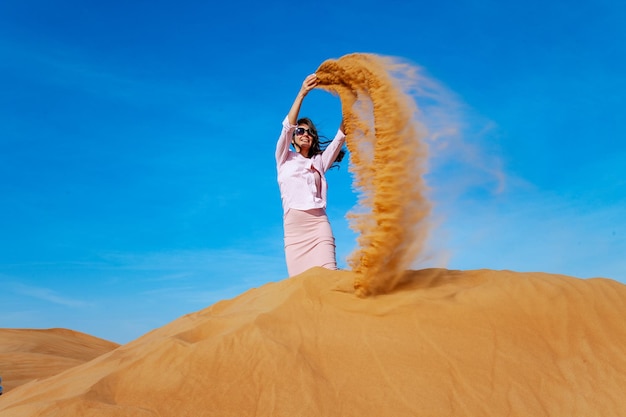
(136, 144)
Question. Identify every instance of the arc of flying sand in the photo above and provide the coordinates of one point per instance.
(387, 159)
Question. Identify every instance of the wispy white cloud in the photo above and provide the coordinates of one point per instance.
(8, 318)
(189, 277)
(148, 289)
(173, 263)
(45, 294)
(539, 231)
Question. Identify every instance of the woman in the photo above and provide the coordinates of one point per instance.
(309, 239)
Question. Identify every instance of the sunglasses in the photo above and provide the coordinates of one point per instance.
(301, 131)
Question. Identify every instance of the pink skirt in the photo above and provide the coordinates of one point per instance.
(309, 241)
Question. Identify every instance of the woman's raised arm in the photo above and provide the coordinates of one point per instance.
(309, 83)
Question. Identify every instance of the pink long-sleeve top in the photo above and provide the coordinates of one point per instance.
(301, 180)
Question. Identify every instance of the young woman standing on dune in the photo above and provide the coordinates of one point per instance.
(309, 240)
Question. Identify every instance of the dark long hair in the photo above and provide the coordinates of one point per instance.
(318, 146)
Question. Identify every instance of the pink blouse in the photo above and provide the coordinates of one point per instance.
(301, 180)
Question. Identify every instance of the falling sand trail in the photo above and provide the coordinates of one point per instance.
(388, 159)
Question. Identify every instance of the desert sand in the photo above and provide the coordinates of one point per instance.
(28, 354)
(443, 343)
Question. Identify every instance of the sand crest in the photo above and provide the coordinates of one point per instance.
(29, 354)
(443, 343)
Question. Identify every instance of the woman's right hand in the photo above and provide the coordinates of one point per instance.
(309, 83)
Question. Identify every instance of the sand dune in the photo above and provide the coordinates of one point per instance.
(27, 354)
(444, 343)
